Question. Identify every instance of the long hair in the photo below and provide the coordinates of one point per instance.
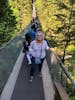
(27, 37)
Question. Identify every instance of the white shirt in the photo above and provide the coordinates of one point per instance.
(38, 50)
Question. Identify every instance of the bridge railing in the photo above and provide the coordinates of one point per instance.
(58, 71)
(9, 53)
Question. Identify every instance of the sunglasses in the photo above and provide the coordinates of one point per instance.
(39, 35)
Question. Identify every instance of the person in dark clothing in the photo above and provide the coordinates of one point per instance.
(26, 44)
(28, 38)
(33, 27)
(27, 41)
(34, 24)
(32, 1)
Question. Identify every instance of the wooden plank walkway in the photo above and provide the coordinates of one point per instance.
(24, 90)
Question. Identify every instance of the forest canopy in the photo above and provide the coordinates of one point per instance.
(15, 15)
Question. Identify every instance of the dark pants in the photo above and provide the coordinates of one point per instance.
(33, 66)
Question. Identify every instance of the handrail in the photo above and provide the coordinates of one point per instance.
(65, 71)
(60, 93)
(63, 68)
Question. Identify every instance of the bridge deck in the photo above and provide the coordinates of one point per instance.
(24, 90)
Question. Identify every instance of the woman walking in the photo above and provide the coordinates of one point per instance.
(38, 49)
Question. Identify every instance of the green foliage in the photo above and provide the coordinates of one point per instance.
(14, 17)
(1, 28)
(56, 18)
(70, 48)
(70, 90)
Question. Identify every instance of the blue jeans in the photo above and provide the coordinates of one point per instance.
(33, 66)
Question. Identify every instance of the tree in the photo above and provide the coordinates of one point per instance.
(15, 15)
(67, 27)
(7, 20)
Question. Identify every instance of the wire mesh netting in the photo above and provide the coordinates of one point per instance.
(60, 75)
(55, 69)
(8, 56)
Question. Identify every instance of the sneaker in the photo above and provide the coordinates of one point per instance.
(31, 79)
(29, 63)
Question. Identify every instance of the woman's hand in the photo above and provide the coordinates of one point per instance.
(51, 49)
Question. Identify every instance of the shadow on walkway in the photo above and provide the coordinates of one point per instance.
(24, 90)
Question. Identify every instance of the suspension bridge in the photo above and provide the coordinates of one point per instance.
(49, 87)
